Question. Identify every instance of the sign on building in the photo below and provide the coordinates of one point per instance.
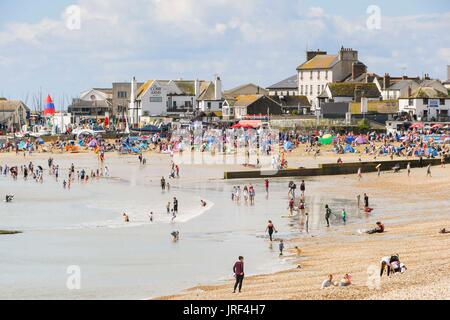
(433, 103)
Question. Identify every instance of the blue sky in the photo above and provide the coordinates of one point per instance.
(258, 41)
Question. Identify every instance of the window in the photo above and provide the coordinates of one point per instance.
(318, 89)
(146, 113)
(209, 105)
(301, 75)
(155, 99)
(410, 102)
(301, 89)
(425, 100)
(174, 104)
(442, 102)
(443, 113)
(318, 75)
(220, 105)
(326, 74)
(310, 75)
(122, 94)
(310, 89)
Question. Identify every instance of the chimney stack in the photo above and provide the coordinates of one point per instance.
(312, 54)
(196, 88)
(358, 68)
(217, 88)
(133, 91)
(386, 81)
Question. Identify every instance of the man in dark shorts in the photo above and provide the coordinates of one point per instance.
(175, 205)
(238, 270)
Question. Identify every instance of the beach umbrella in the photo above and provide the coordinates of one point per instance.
(49, 108)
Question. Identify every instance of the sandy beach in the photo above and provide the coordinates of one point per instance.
(413, 210)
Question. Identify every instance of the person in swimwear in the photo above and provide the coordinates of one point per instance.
(270, 229)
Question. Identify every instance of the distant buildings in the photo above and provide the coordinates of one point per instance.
(429, 102)
(286, 87)
(13, 115)
(321, 68)
(327, 84)
(95, 103)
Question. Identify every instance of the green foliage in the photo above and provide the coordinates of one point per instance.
(363, 124)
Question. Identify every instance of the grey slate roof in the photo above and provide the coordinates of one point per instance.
(288, 83)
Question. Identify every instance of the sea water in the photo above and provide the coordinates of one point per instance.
(83, 227)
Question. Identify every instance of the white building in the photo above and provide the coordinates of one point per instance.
(321, 68)
(426, 103)
(165, 97)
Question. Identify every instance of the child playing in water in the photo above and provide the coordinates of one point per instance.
(281, 247)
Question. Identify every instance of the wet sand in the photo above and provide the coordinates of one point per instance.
(413, 209)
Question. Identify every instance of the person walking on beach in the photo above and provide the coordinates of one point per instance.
(125, 217)
(327, 214)
(429, 170)
(163, 183)
(359, 173)
(150, 216)
(344, 216)
(281, 247)
(366, 200)
(168, 207)
(175, 205)
(291, 207)
(238, 270)
(408, 168)
(270, 229)
(302, 187)
(266, 186)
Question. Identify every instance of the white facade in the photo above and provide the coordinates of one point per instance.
(313, 82)
(161, 98)
(425, 108)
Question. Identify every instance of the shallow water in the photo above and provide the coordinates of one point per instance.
(83, 227)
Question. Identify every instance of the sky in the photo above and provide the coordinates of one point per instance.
(42, 49)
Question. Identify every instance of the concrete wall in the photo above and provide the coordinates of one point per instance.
(330, 169)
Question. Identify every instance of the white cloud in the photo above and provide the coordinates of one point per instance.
(245, 41)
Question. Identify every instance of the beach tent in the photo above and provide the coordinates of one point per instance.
(432, 152)
(326, 139)
(349, 139)
(22, 145)
(361, 140)
(287, 145)
(349, 148)
(92, 143)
